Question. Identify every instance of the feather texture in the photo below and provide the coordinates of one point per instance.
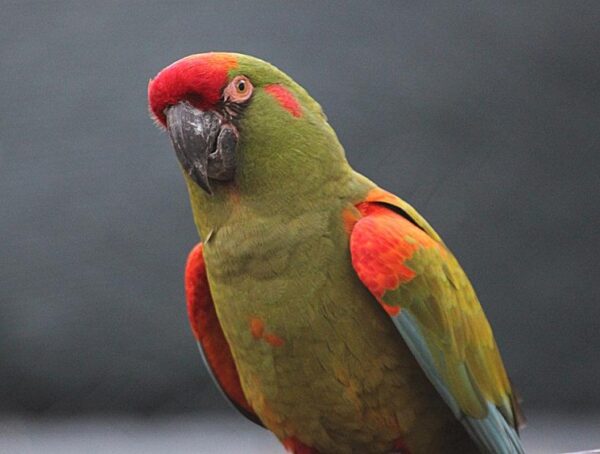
(422, 287)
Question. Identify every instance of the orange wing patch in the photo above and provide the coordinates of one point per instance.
(257, 329)
(381, 243)
(379, 195)
(274, 340)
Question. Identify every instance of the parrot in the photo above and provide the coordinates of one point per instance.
(326, 308)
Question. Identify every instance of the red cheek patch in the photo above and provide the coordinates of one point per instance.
(285, 98)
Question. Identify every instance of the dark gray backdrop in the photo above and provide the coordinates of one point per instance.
(483, 115)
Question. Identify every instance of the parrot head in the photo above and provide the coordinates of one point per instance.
(235, 120)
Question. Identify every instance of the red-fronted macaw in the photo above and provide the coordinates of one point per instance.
(328, 310)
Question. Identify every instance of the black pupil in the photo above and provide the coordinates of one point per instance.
(241, 85)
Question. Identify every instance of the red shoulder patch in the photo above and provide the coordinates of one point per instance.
(207, 329)
(285, 98)
(381, 242)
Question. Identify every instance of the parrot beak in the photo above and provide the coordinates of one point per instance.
(204, 143)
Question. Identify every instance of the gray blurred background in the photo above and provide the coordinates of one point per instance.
(483, 115)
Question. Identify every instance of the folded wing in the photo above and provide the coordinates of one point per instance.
(420, 284)
(208, 333)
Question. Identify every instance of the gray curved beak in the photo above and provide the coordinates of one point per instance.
(204, 143)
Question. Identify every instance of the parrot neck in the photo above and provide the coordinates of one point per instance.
(278, 176)
(289, 196)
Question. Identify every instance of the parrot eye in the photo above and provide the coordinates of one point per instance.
(238, 90)
(241, 86)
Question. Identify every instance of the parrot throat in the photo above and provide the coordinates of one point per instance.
(269, 186)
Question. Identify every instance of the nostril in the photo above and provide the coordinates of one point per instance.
(195, 100)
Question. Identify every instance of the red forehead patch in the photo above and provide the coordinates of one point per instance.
(285, 98)
(197, 78)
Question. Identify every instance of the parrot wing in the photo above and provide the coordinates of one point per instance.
(209, 335)
(417, 280)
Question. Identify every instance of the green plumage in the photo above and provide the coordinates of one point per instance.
(343, 380)
(318, 357)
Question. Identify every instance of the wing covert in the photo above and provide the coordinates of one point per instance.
(420, 284)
